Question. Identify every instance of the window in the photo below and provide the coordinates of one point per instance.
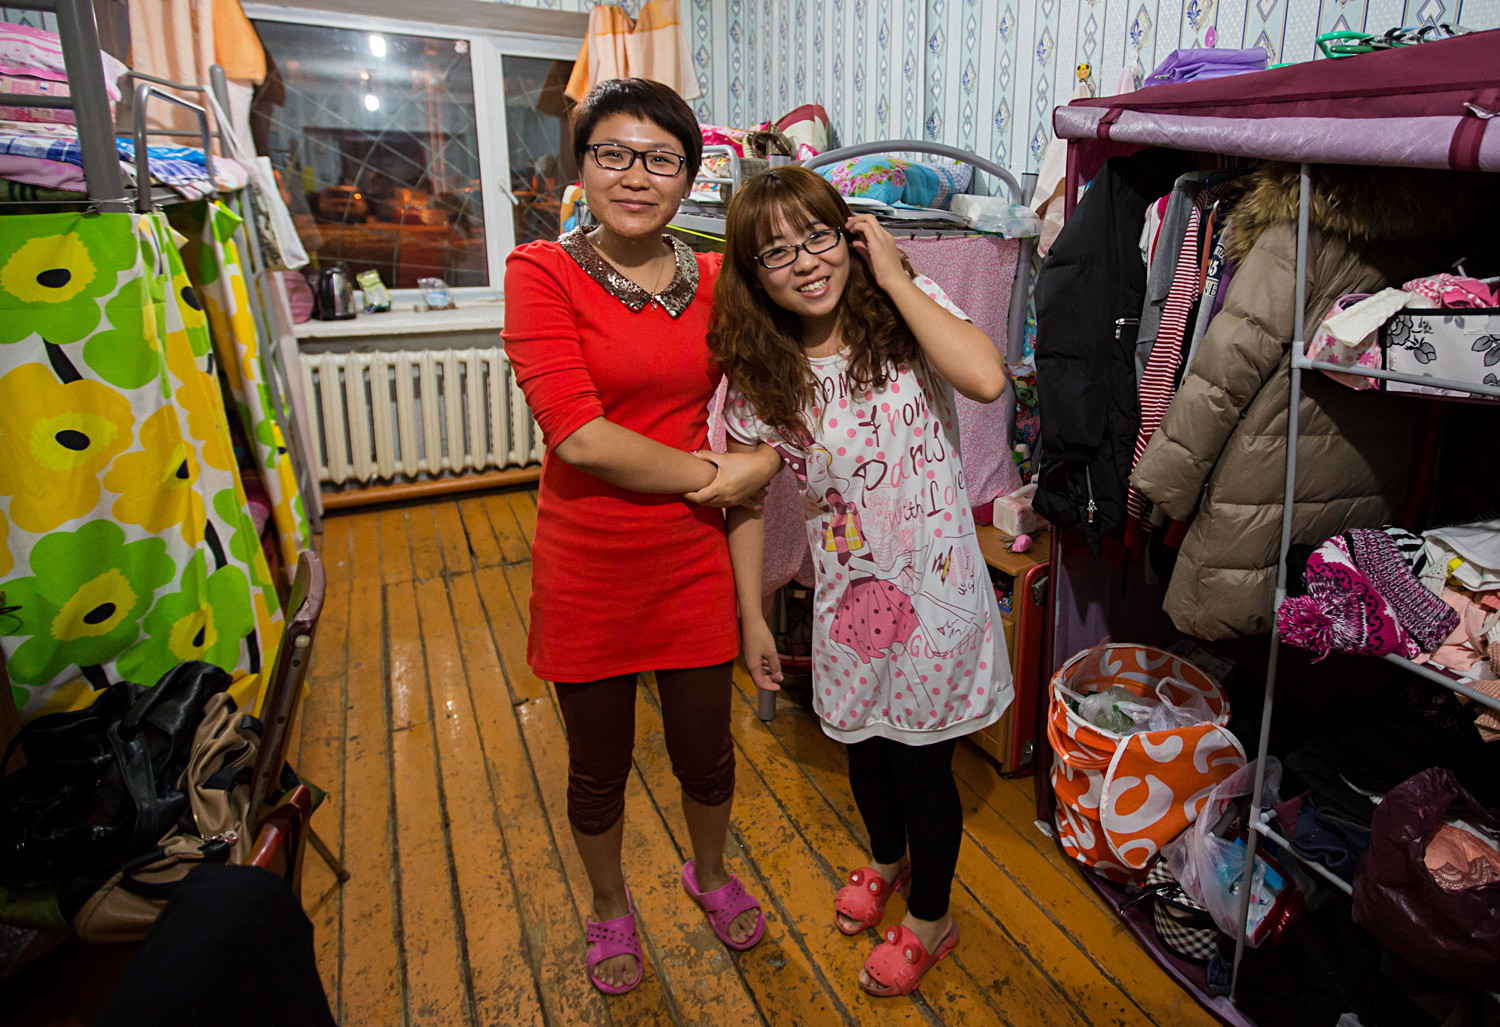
(415, 151)
(540, 150)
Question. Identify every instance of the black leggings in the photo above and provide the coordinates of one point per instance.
(909, 801)
(600, 718)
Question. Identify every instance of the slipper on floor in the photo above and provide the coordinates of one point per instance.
(898, 963)
(863, 899)
(610, 938)
(722, 906)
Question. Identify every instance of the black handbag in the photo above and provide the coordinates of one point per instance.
(102, 784)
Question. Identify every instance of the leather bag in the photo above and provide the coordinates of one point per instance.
(217, 784)
(101, 785)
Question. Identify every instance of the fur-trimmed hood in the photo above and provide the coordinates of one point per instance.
(1367, 204)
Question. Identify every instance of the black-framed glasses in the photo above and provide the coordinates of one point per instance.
(821, 241)
(614, 157)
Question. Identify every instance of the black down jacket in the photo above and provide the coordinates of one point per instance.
(1089, 294)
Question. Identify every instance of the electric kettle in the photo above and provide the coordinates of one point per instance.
(333, 294)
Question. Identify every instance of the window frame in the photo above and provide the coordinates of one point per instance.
(487, 50)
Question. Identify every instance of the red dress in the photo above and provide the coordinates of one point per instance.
(622, 581)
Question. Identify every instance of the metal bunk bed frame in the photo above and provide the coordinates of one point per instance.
(1020, 288)
(107, 191)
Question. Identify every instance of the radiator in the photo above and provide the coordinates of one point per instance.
(378, 415)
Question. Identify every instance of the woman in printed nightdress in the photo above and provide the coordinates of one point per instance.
(834, 346)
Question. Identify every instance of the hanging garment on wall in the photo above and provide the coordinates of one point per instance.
(650, 46)
(1166, 245)
(213, 259)
(1159, 380)
(977, 273)
(174, 40)
(1088, 303)
(237, 46)
(1213, 280)
(125, 544)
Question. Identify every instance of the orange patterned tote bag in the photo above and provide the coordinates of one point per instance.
(1121, 797)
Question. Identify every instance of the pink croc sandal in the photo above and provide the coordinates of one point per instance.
(610, 938)
(898, 963)
(722, 906)
(864, 897)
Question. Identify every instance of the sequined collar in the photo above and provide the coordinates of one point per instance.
(674, 299)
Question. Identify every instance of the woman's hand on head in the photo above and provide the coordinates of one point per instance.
(877, 247)
(741, 481)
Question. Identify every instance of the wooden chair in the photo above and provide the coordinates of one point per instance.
(288, 823)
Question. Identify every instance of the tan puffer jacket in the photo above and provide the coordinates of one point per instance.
(1221, 448)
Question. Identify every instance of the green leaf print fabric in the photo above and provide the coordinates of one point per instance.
(123, 522)
(214, 262)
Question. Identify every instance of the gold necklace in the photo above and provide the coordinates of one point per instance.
(661, 278)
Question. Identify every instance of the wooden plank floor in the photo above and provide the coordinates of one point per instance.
(445, 760)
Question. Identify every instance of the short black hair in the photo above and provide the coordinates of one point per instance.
(640, 98)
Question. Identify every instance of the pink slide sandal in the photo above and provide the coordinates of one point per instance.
(610, 938)
(897, 964)
(724, 904)
(863, 899)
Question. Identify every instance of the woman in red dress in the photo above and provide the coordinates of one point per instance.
(606, 331)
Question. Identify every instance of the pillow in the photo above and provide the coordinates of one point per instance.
(952, 177)
(38, 53)
(896, 180)
(28, 85)
(876, 177)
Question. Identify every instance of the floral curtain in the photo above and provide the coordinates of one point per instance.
(125, 544)
(213, 261)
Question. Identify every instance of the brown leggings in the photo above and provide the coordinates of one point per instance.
(600, 718)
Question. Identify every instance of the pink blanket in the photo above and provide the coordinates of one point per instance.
(49, 174)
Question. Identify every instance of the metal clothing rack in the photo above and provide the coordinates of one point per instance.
(1301, 362)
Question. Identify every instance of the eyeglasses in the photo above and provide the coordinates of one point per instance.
(613, 157)
(821, 241)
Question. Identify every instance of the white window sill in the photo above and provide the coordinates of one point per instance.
(470, 316)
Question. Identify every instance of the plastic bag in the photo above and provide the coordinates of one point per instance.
(1167, 714)
(1115, 709)
(997, 215)
(1454, 935)
(1122, 712)
(281, 247)
(1211, 868)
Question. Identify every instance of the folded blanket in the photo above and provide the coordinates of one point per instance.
(1207, 62)
(179, 167)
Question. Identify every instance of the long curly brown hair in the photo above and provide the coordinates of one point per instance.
(758, 343)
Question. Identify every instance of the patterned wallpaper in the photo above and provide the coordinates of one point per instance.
(985, 74)
(980, 74)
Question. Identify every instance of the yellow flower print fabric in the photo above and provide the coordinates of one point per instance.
(213, 260)
(125, 542)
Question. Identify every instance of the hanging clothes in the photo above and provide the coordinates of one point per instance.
(1166, 245)
(650, 46)
(1221, 450)
(125, 543)
(213, 259)
(1212, 280)
(1159, 380)
(174, 40)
